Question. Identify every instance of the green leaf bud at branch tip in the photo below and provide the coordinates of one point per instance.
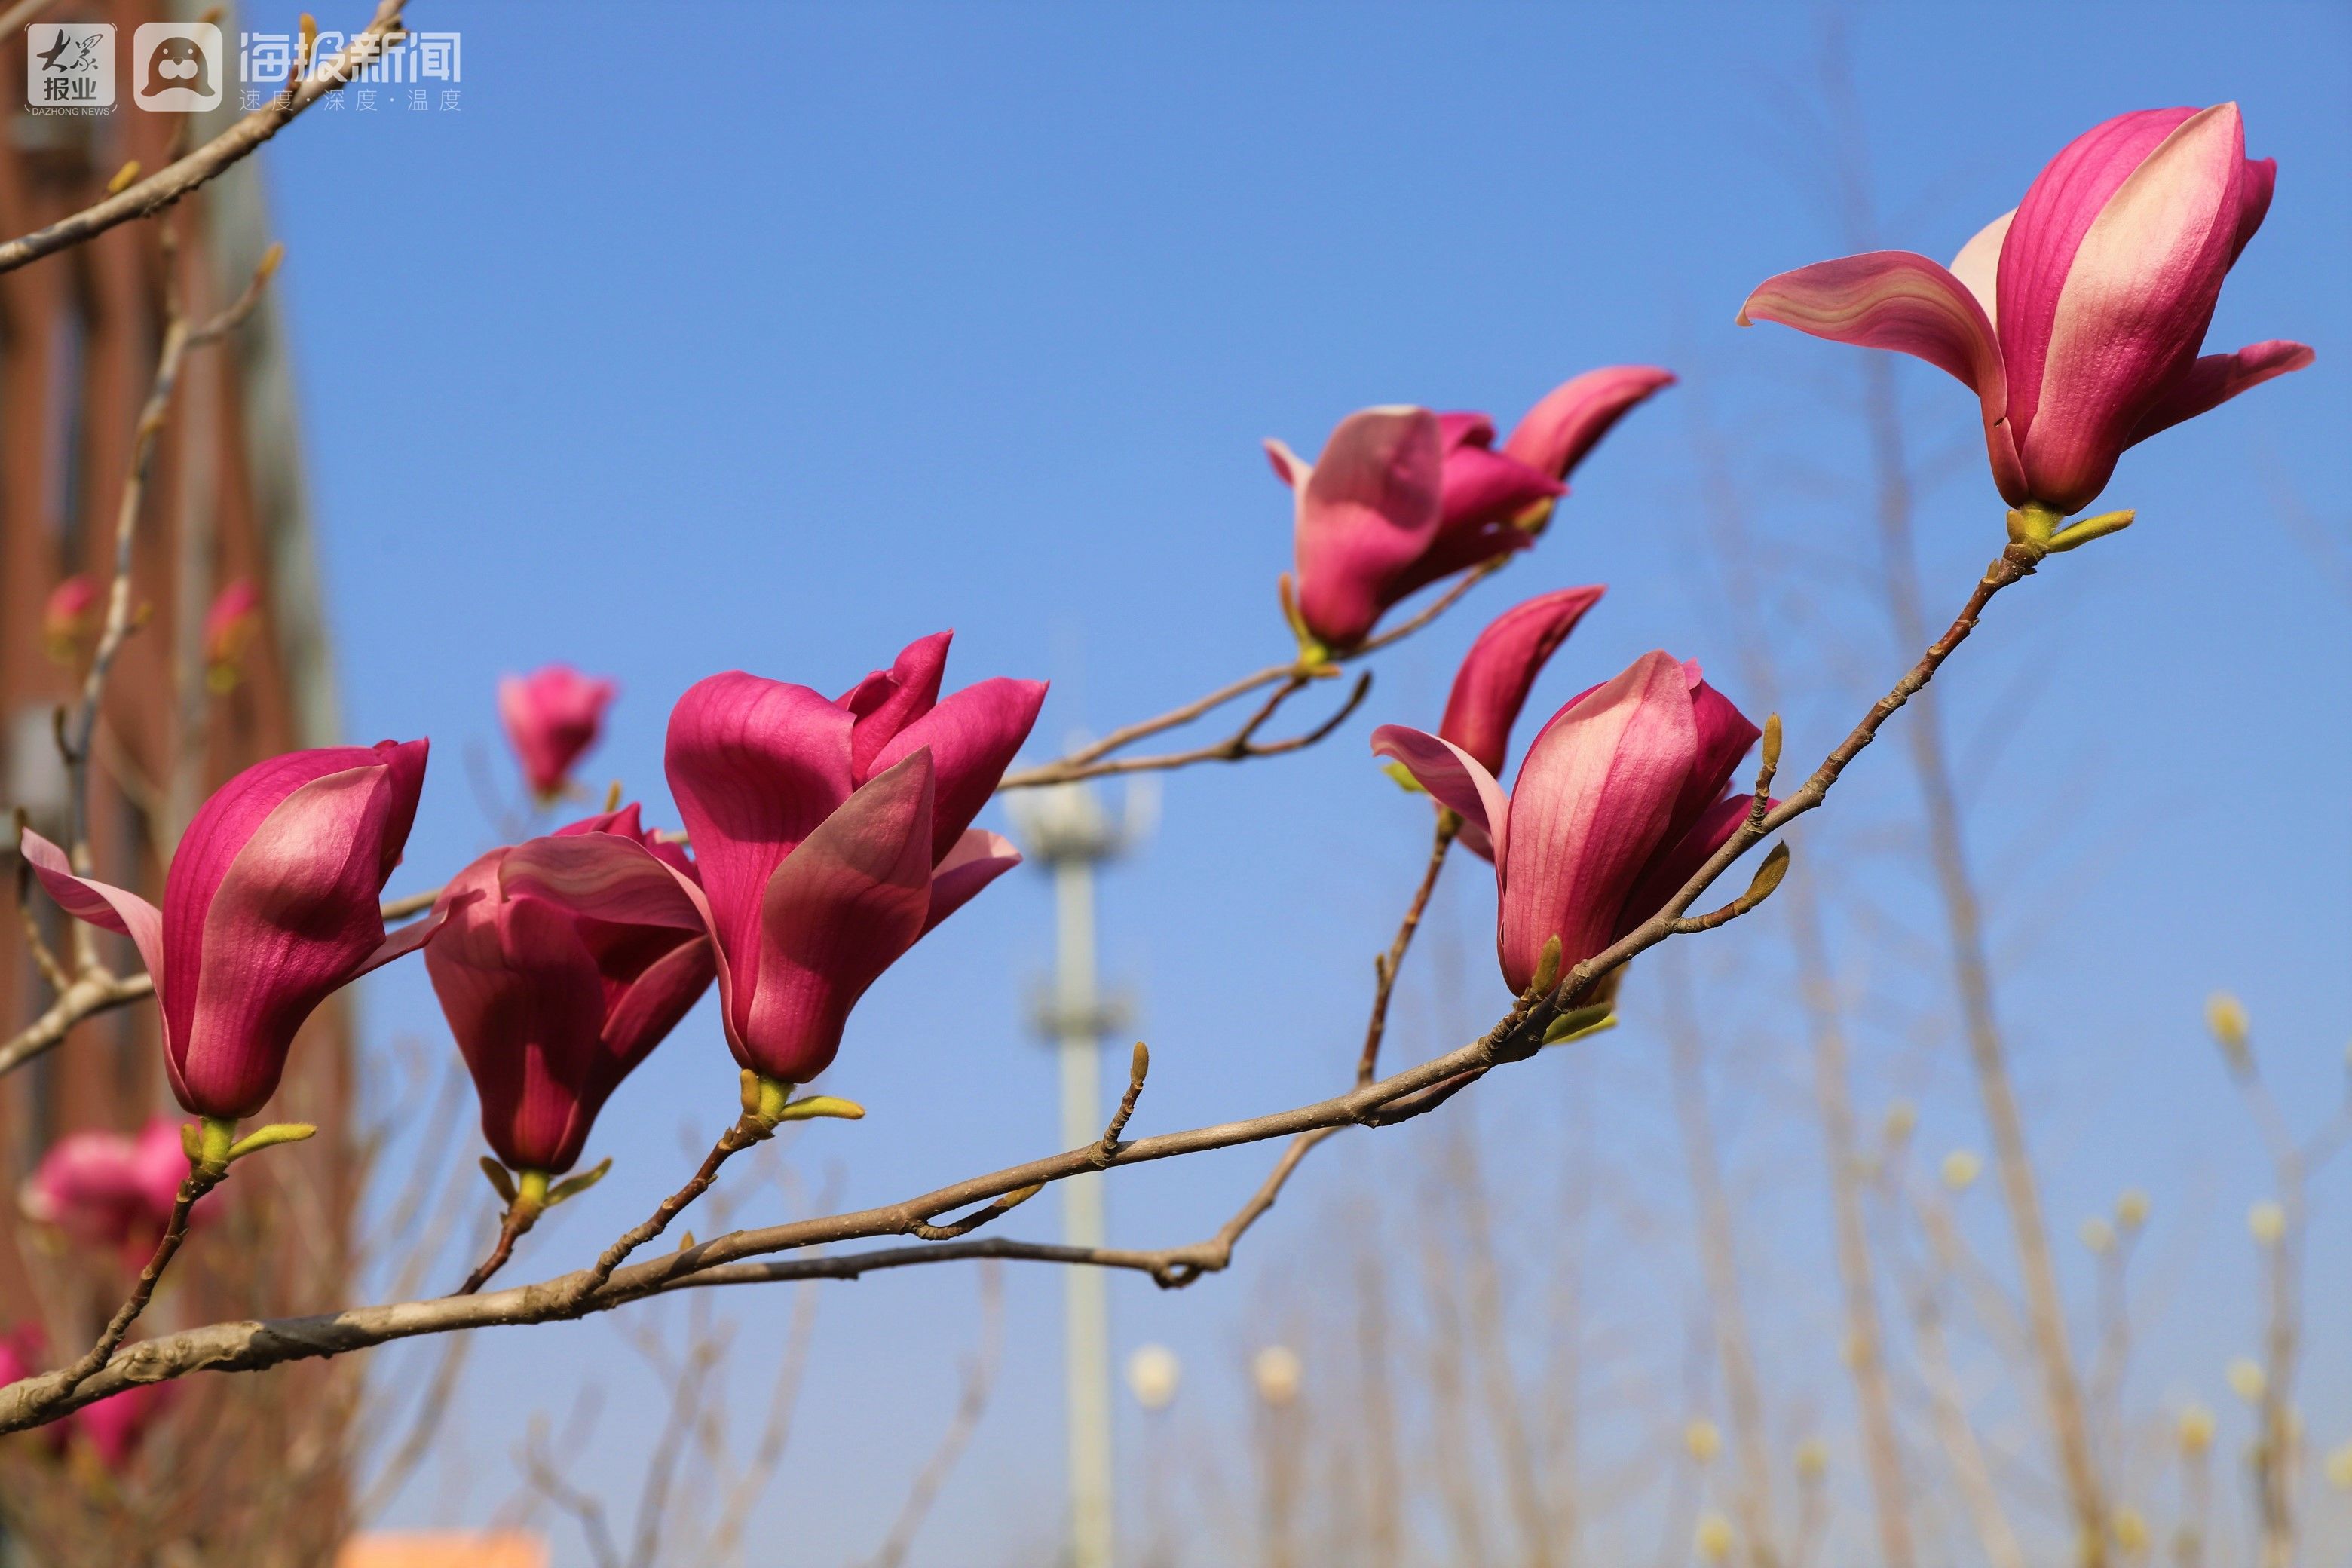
(571, 1186)
(268, 1137)
(2091, 527)
(1772, 744)
(501, 1181)
(1583, 1021)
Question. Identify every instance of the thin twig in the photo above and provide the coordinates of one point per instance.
(197, 1183)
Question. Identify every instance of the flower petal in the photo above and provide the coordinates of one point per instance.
(1570, 419)
(754, 766)
(978, 859)
(841, 909)
(1453, 778)
(2215, 379)
(973, 737)
(1680, 861)
(1894, 299)
(1367, 512)
(1501, 666)
(100, 903)
(1978, 266)
(1725, 736)
(293, 917)
(1594, 799)
(887, 700)
(2047, 230)
(2137, 294)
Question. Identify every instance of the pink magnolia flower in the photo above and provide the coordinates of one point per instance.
(229, 628)
(2076, 318)
(269, 906)
(116, 1425)
(552, 717)
(70, 618)
(1401, 496)
(553, 1008)
(110, 1189)
(1620, 801)
(831, 836)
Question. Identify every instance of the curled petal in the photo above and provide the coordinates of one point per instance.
(100, 903)
(2217, 378)
(1453, 778)
(1573, 417)
(1724, 736)
(1501, 666)
(973, 737)
(887, 700)
(979, 859)
(1894, 299)
(1978, 266)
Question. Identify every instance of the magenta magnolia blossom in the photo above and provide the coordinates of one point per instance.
(1619, 800)
(110, 1189)
(831, 835)
(2077, 317)
(553, 1008)
(269, 906)
(1403, 497)
(551, 718)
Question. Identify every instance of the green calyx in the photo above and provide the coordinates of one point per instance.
(2038, 525)
(212, 1144)
(768, 1103)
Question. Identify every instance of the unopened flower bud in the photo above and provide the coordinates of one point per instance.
(1813, 1459)
(1704, 1441)
(2129, 1528)
(2131, 1209)
(2248, 1381)
(2225, 1018)
(1153, 1374)
(2339, 1468)
(1714, 1537)
(1902, 1119)
(1961, 1168)
(1276, 1373)
(2098, 1235)
(2194, 1430)
(2267, 1221)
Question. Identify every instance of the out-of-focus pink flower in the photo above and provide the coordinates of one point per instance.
(110, 1189)
(1402, 498)
(553, 1008)
(1619, 803)
(551, 718)
(269, 906)
(2077, 317)
(229, 628)
(20, 1353)
(70, 619)
(116, 1425)
(831, 835)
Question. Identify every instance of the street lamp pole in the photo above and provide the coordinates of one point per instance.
(1067, 833)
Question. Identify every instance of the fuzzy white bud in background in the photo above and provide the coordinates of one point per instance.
(1276, 1373)
(1152, 1373)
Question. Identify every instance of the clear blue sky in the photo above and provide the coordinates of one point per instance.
(774, 337)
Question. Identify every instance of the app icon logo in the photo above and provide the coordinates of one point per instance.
(176, 67)
(69, 66)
